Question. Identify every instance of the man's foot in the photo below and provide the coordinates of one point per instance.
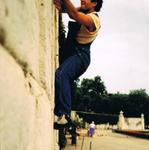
(61, 122)
(65, 121)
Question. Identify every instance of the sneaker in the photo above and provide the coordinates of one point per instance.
(62, 120)
(65, 121)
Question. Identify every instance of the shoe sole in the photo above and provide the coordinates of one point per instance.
(60, 126)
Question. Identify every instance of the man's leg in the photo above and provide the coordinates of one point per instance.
(65, 75)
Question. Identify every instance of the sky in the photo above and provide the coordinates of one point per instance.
(120, 53)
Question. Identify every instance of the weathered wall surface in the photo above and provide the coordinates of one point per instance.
(28, 49)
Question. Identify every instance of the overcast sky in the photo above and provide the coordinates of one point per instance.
(120, 54)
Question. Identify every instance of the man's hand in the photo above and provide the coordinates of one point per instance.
(58, 4)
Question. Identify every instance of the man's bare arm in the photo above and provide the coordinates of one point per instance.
(75, 14)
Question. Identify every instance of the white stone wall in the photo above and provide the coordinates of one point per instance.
(28, 58)
(130, 123)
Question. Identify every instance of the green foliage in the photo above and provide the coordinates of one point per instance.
(88, 92)
(94, 86)
(91, 96)
(137, 100)
(79, 123)
(140, 92)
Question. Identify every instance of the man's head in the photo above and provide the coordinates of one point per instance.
(98, 4)
(88, 5)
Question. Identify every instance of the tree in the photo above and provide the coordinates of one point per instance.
(136, 101)
(95, 85)
(88, 91)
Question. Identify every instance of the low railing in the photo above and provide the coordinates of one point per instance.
(141, 134)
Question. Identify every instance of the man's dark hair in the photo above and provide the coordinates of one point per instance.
(99, 4)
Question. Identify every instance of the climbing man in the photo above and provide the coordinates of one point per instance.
(81, 33)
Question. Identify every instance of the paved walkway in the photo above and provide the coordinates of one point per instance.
(109, 141)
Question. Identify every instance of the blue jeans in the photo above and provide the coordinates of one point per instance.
(71, 69)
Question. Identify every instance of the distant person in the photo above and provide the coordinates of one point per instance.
(92, 129)
(81, 33)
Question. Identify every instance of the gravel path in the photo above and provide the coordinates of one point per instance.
(109, 141)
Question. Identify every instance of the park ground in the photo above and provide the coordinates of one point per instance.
(108, 140)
